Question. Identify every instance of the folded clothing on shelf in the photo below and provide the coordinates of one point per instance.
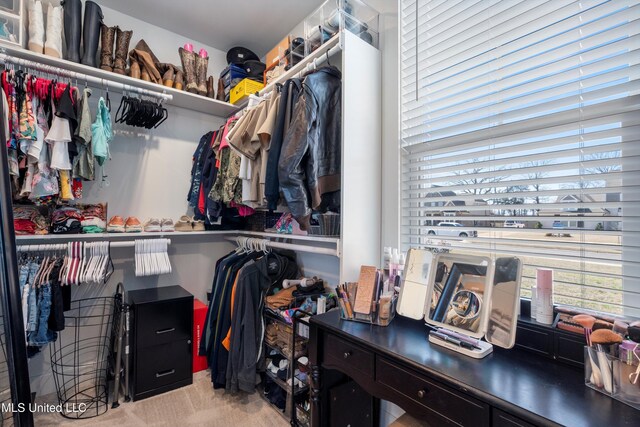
(280, 299)
(94, 218)
(66, 220)
(29, 219)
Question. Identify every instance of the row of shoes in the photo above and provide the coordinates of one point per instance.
(187, 223)
(118, 224)
(70, 13)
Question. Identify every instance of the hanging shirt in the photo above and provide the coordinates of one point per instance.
(102, 133)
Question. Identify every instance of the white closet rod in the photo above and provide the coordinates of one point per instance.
(293, 247)
(63, 246)
(95, 81)
(311, 65)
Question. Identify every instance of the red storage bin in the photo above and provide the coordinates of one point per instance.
(199, 317)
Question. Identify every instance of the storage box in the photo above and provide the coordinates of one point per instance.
(232, 75)
(199, 317)
(245, 88)
(612, 377)
(277, 53)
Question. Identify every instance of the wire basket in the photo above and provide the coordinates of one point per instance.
(80, 357)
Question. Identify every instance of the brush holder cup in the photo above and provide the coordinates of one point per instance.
(619, 379)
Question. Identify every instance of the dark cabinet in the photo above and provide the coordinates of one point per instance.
(161, 328)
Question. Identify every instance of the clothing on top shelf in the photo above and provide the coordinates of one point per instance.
(234, 316)
(29, 219)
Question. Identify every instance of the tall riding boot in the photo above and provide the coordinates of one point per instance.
(106, 54)
(210, 91)
(135, 69)
(53, 45)
(168, 79)
(91, 33)
(179, 80)
(72, 27)
(201, 74)
(36, 27)
(220, 96)
(122, 50)
(189, 67)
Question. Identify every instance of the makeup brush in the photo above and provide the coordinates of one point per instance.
(586, 322)
(605, 341)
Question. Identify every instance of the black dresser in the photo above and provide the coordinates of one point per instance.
(442, 387)
(161, 328)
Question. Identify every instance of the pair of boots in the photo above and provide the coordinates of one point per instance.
(195, 71)
(122, 40)
(53, 45)
(90, 31)
(172, 76)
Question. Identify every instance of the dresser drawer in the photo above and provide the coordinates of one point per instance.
(163, 322)
(350, 358)
(438, 402)
(502, 419)
(162, 365)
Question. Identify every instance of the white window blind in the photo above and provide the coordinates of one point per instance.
(521, 123)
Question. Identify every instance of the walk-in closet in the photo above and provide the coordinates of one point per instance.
(119, 217)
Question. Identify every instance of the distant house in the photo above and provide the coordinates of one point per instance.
(589, 217)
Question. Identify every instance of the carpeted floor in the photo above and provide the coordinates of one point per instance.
(194, 405)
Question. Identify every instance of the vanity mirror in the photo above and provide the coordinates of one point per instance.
(465, 297)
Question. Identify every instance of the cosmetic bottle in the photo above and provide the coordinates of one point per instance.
(393, 265)
(387, 259)
(544, 296)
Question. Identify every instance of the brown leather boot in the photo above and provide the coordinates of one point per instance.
(168, 78)
(189, 66)
(210, 91)
(144, 74)
(179, 80)
(135, 69)
(106, 50)
(201, 74)
(220, 96)
(122, 49)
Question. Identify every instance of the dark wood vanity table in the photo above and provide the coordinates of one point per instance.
(398, 364)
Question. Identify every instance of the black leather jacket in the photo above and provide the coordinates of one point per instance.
(309, 167)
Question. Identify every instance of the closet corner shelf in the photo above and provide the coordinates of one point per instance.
(180, 98)
(300, 66)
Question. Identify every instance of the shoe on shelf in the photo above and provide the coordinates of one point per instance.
(132, 225)
(152, 225)
(167, 224)
(185, 223)
(116, 225)
(198, 225)
(36, 27)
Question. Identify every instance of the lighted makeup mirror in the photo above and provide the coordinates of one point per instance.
(466, 297)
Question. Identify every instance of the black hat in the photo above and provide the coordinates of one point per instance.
(238, 55)
(254, 68)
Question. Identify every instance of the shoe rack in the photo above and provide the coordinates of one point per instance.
(120, 83)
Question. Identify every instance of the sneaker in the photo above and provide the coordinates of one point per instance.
(184, 224)
(132, 225)
(167, 224)
(116, 225)
(152, 225)
(198, 225)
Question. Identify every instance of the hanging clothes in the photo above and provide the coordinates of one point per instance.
(83, 165)
(102, 133)
(232, 339)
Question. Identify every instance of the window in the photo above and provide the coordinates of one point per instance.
(527, 112)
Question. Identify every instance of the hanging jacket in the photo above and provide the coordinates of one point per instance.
(309, 167)
(289, 96)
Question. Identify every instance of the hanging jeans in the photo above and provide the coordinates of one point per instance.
(42, 334)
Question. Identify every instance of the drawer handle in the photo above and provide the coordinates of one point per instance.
(165, 373)
(347, 354)
(422, 394)
(164, 331)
